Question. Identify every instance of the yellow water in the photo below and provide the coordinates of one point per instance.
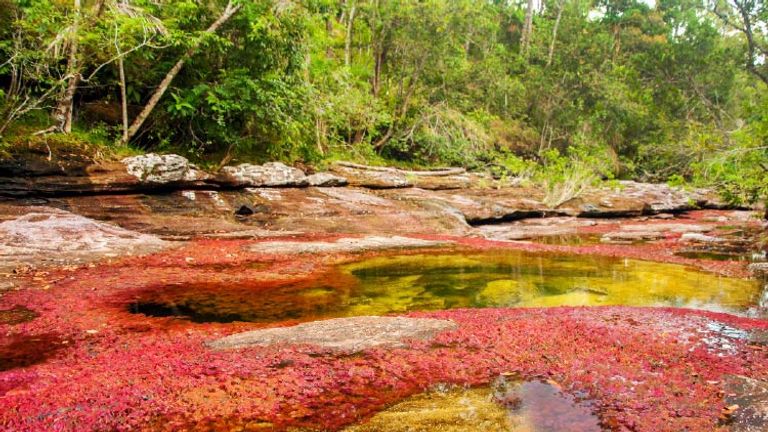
(508, 407)
(405, 283)
(518, 279)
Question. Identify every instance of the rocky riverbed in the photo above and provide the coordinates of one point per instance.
(90, 255)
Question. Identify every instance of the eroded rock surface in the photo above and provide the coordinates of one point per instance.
(700, 238)
(342, 334)
(343, 245)
(326, 180)
(371, 177)
(631, 236)
(51, 236)
(631, 198)
(535, 228)
(163, 169)
(271, 174)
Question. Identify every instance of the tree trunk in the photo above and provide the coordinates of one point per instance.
(378, 145)
(123, 98)
(64, 108)
(229, 11)
(554, 32)
(377, 61)
(525, 40)
(348, 38)
(329, 33)
(751, 44)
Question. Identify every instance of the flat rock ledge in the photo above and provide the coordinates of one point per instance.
(349, 335)
(51, 236)
(343, 245)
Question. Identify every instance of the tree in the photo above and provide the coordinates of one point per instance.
(229, 10)
(750, 18)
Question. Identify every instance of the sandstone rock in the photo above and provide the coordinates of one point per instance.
(482, 206)
(631, 199)
(343, 245)
(163, 169)
(326, 180)
(535, 228)
(631, 236)
(387, 177)
(668, 227)
(441, 182)
(49, 235)
(371, 177)
(700, 238)
(347, 335)
(271, 174)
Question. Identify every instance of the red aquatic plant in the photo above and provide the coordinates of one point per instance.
(644, 369)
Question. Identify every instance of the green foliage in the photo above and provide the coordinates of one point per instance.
(606, 89)
(739, 168)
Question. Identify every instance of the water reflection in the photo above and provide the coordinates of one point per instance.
(509, 406)
(432, 282)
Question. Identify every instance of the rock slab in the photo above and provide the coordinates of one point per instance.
(49, 235)
(271, 174)
(348, 335)
(343, 245)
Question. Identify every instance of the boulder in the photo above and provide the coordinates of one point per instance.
(326, 180)
(371, 177)
(348, 335)
(271, 174)
(700, 238)
(153, 168)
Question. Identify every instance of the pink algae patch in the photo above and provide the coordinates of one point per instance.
(645, 369)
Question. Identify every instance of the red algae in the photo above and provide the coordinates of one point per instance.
(645, 369)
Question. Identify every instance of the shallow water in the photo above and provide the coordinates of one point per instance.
(506, 406)
(446, 281)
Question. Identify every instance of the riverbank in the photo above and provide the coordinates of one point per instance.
(117, 305)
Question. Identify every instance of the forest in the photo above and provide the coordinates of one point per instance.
(577, 90)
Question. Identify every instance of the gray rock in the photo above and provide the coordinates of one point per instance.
(700, 238)
(153, 168)
(343, 245)
(631, 236)
(668, 227)
(50, 236)
(372, 177)
(348, 335)
(326, 180)
(271, 174)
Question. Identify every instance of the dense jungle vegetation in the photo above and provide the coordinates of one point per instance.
(671, 90)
